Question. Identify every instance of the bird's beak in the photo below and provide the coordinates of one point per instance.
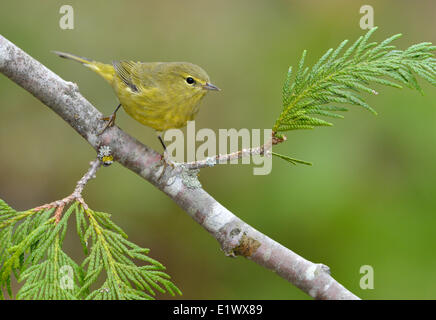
(210, 86)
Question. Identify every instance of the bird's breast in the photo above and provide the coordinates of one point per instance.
(157, 113)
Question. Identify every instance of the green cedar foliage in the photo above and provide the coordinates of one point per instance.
(31, 249)
(340, 76)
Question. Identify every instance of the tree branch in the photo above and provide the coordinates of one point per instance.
(234, 235)
(211, 161)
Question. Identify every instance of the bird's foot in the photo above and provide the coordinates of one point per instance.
(166, 163)
(172, 169)
(110, 122)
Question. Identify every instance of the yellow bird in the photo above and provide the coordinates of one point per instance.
(161, 95)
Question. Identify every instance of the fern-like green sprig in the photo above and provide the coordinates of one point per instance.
(31, 248)
(113, 253)
(338, 79)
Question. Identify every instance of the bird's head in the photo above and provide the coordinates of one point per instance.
(187, 79)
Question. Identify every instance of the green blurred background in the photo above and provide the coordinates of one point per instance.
(369, 199)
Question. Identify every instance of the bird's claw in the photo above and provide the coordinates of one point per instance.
(166, 162)
(188, 176)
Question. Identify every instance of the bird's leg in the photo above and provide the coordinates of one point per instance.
(166, 156)
(162, 142)
(166, 161)
(110, 120)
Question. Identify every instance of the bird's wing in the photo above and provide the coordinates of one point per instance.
(139, 78)
(131, 74)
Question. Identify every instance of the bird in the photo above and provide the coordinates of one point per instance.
(160, 95)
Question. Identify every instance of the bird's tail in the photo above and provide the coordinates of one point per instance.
(105, 70)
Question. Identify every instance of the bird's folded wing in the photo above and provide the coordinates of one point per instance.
(127, 71)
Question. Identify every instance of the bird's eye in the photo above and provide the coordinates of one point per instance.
(190, 80)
